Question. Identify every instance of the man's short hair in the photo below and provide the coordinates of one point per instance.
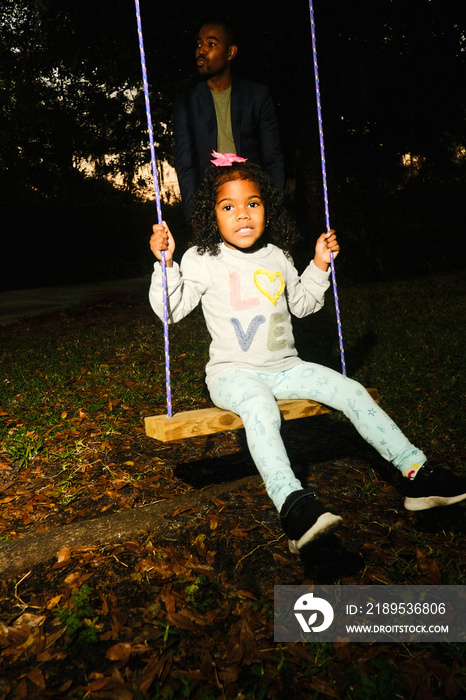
(227, 26)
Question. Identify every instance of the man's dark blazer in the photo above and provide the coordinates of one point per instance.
(255, 132)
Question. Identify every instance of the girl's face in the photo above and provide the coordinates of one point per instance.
(240, 214)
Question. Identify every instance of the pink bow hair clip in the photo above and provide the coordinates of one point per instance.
(226, 158)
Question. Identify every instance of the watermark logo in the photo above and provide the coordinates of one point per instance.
(310, 604)
(366, 613)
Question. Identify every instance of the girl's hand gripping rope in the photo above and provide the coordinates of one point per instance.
(162, 240)
(326, 244)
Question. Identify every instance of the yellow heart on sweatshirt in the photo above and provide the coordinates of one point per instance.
(272, 276)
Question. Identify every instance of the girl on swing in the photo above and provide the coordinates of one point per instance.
(241, 272)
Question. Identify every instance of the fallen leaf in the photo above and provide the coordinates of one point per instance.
(76, 578)
(279, 559)
(119, 652)
(64, 555)
(37, 677)
(29, 620)
(428, 566)
(324, 687)
(53, 601)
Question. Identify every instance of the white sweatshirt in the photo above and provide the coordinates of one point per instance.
(246, 300)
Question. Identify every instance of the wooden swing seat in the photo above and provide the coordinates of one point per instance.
(207, 421)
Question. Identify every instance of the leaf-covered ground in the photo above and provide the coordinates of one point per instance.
(185, 609)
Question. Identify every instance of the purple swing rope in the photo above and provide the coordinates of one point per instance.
(324, 180)
(159, 209)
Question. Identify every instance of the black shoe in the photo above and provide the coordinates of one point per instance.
(304, 520)
(433, 486)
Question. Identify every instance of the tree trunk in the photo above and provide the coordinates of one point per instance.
(18, 556)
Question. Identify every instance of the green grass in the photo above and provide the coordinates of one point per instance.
(79, 618)
(406, 338)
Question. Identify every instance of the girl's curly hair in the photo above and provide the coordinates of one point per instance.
(280, 228)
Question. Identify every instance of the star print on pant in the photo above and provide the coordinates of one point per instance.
(253, 396)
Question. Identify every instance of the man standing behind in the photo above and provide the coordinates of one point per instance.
(225, 114)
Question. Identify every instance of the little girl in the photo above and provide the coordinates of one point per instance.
(241, 272)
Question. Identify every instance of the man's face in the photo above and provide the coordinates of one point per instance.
(213, 51)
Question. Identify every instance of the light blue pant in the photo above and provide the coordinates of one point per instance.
(252, 395)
